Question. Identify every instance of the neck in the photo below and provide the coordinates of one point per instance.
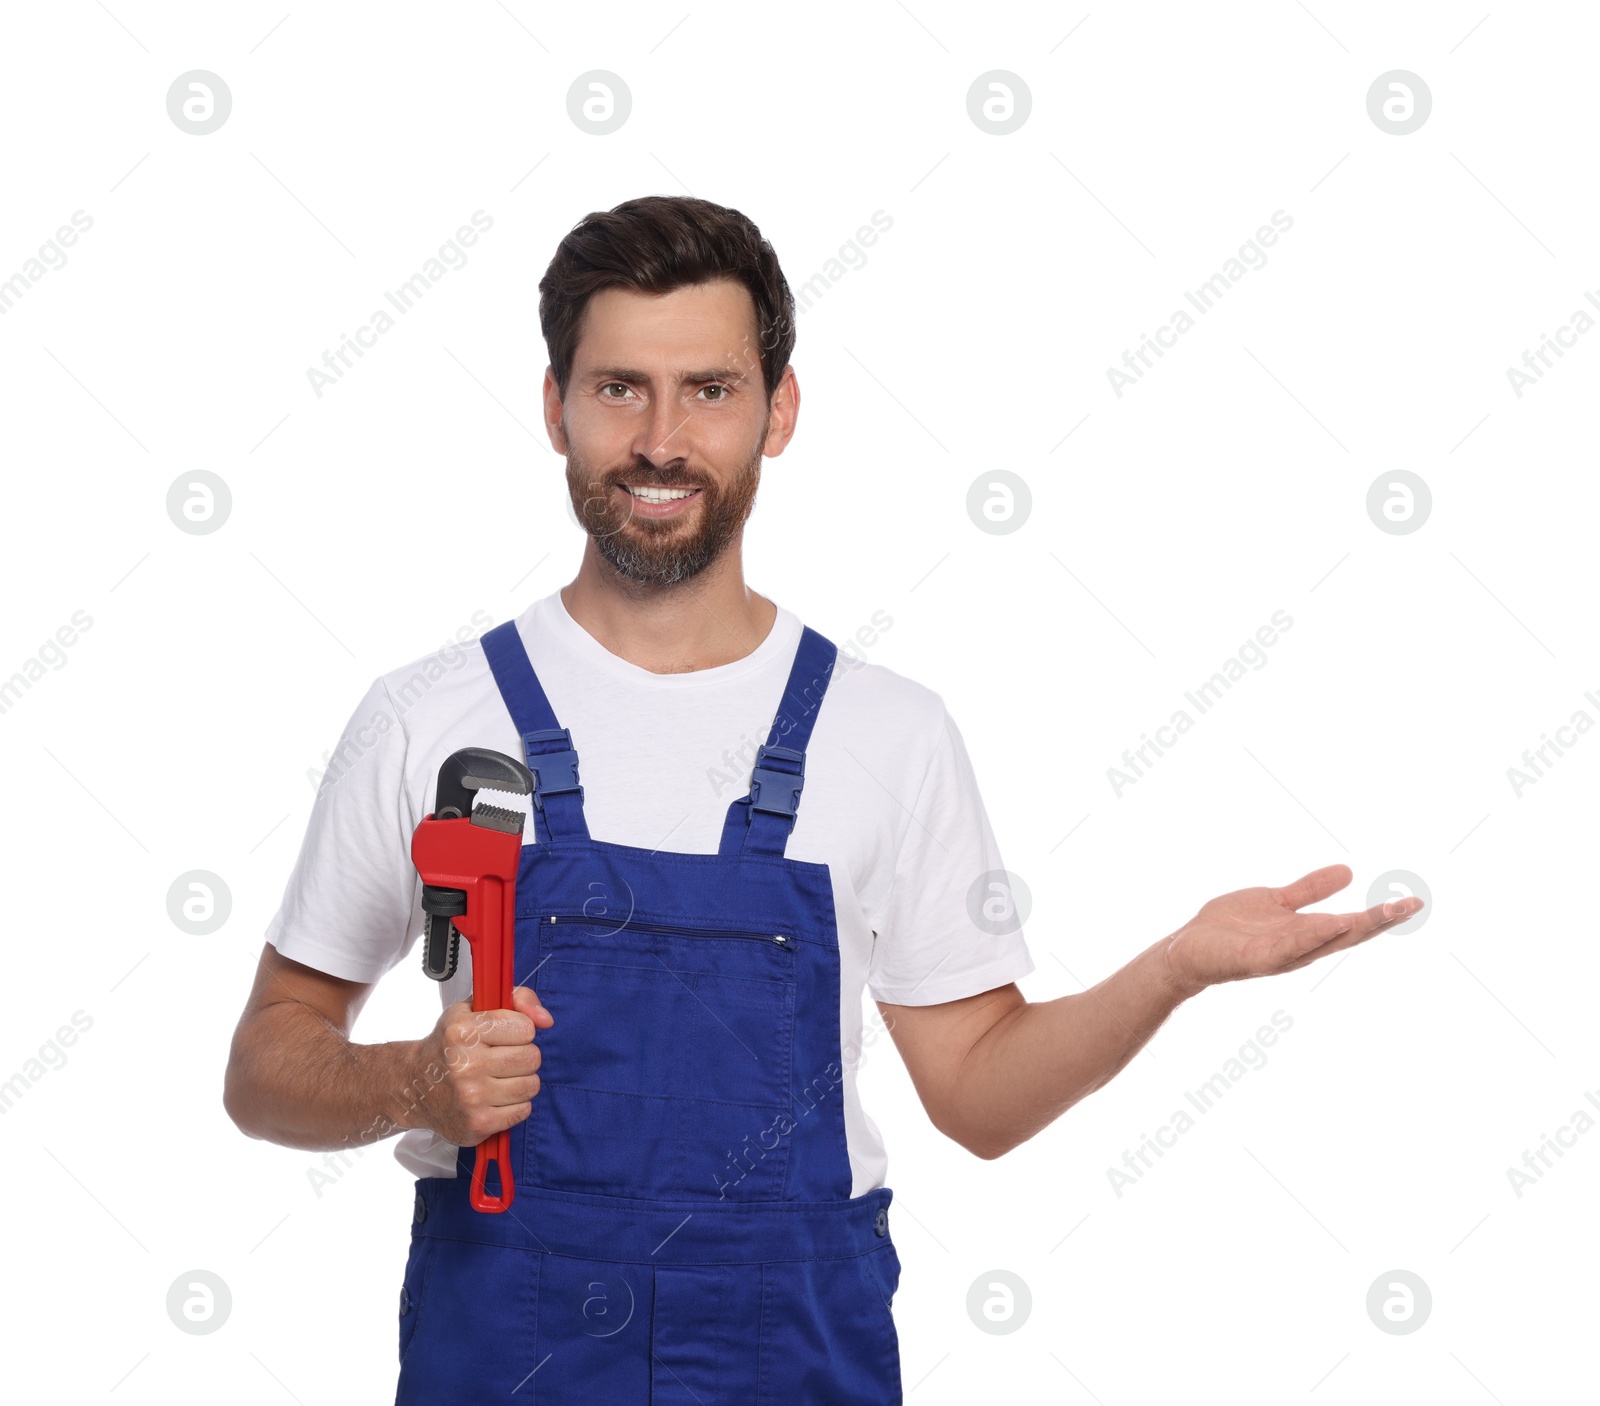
(709, 620)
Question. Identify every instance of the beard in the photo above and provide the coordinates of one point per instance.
(660, 553)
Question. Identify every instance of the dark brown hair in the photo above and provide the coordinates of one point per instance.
(653, 245)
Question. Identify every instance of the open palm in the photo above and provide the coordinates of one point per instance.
(1259, 932)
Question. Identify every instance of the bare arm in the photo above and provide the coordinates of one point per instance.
(295, 1077)
(994, 1069)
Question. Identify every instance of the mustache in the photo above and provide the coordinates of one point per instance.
(648, 476)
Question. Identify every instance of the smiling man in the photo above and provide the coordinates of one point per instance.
(701, 1210)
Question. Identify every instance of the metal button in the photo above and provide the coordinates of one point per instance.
(881, 1221)
(405, 1301)
(421, 1212)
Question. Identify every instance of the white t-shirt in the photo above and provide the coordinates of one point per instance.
(890, 805)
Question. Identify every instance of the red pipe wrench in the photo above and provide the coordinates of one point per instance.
(468, 856)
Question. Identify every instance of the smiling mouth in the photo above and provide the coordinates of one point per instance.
(650, 494)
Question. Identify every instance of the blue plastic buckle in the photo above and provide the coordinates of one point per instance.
(553, 772)
(777, 792)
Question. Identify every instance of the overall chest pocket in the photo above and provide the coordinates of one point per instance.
(669, 1069)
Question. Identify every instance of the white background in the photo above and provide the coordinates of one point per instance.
(369, 524)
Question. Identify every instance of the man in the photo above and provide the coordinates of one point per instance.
(761, 830)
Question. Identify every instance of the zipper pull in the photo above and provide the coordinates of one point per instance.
(782, 939)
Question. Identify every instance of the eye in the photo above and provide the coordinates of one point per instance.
(608, 386)
(717, 386)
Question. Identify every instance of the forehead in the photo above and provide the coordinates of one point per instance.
(679, 328)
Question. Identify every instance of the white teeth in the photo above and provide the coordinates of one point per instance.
(659, 495)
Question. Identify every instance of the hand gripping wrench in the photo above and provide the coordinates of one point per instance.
(467, 856)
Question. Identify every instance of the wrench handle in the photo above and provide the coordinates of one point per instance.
(496, 1150)
(492, 967)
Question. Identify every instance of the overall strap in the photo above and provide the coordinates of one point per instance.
(761, 822)
(546, 745)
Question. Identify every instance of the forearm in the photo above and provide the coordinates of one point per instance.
(295, 1079)
(1041, 1057)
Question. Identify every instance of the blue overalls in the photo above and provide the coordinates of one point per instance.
(683, 1232)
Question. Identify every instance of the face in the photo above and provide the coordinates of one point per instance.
(664, 425)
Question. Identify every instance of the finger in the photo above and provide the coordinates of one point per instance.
(502, 1027)
(1315, 886)
(1383, 915)
(526, 999)
(516, 1113)
(504, 1092)
(1380, 918)
(510, 1061)
(464, 1028)
(496, 1120)
(1354, 936)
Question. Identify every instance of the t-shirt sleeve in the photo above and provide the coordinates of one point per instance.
(353, 901)
(949, 928)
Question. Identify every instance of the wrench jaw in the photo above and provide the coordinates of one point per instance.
(501, 818)
(462, 775)
(472, 769)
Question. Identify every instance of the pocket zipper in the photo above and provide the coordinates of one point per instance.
(777, 939)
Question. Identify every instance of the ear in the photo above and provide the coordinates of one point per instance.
(782, 414)
(552, 412)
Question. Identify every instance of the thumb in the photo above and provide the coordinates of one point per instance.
(526, 1000)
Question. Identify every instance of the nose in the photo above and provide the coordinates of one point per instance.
(662, 435)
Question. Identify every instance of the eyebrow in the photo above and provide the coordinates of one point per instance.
(631, 377)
